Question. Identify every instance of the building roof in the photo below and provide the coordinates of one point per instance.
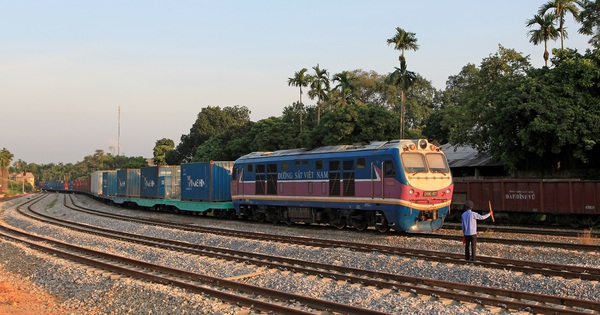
(466, 156)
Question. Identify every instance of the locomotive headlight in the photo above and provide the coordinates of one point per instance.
(448, 191)
(423, 144)
(411, 191)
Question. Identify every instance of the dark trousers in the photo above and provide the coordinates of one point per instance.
(470, 246)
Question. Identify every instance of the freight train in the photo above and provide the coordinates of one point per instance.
(404, 185)
(565, 202)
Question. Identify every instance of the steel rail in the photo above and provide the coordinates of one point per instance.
(436, 288)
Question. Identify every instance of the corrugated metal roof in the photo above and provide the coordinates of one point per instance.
(466, 156)
(376, 145)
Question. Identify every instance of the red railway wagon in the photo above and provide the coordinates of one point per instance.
(83, 184)
(579, 199)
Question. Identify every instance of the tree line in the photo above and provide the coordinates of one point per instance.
(543, 119)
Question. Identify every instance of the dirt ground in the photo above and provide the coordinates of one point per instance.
(18, 296)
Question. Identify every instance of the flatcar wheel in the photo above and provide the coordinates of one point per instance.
(360, 225)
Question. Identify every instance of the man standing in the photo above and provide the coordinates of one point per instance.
(469, 227)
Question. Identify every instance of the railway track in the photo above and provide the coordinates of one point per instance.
(250, 296)
(439, 289)
(528, 230)
(530, 267)
(506, 241)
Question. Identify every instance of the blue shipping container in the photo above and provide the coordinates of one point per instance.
(133, 182)
(206, 181)
(122, 182)
(109, 183)
(128, 182)
(149, 182)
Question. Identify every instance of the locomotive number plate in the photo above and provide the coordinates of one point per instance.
(430, 193)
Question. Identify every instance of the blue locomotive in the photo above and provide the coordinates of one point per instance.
(405, 185)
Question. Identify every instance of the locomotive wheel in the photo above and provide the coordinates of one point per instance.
(382, 228)
(360, 225)
(340, 225)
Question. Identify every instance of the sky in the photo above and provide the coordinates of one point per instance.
(80, 76)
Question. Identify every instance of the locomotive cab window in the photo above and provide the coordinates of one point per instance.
(414, 162)
(301, 162)
(250, 168)
(319, 164)
(361, 163)
(437, 163)
(388, 169)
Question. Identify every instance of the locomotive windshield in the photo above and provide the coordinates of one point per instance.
(437, 163)
(417, 162)
(414, 162)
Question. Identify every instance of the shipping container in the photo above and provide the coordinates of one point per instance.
(121, 182)
(206, 181)
(82, 184)
(53, 185)
(109, 183)
(169, 179)
(96, 183)
(149, 182)
(128, 183)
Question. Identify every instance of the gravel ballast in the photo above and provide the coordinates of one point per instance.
(89, 291)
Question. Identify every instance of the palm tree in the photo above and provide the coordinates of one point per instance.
(319, 85)
(402, 41)
(544, 33)
(300, 79)
(5, 159)
(405, 80)
(344, 86)
(561, 8)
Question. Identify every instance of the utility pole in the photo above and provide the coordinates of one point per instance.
(119, 133)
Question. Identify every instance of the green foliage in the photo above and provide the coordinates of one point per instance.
(354, 124)
(91, 163)
(590, 21)
(15, 188)
(532, 119)
(5, 158)
(161, 148)
(210, 122)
